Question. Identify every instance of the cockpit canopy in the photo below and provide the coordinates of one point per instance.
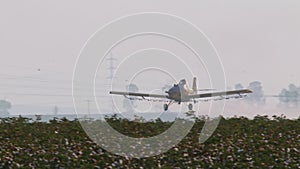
(182, 82)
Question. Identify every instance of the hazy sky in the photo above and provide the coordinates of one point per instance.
(40, 41)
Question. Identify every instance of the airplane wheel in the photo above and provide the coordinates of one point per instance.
(166, 107)
(190, 106)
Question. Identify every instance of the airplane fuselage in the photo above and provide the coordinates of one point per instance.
(178, 94)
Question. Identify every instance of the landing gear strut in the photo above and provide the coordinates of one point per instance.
(166, 106)
(190, 106)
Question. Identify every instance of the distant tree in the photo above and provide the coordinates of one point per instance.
(4, 107)
(239, 86)
(257, 97)
(290, 97)
(128, 104)
(132, 88)
(283, 99)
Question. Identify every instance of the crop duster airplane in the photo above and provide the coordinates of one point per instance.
(180, 93)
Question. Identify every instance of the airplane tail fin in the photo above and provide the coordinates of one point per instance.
(195, 85)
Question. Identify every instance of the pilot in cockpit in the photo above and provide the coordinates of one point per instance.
(184, 87)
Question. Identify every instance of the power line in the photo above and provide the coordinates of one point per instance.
(111, 70)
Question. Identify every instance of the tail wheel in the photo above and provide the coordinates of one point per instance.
(166, 107)
(190, 106)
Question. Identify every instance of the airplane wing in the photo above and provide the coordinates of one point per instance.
(139, 94)
(225, 93)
